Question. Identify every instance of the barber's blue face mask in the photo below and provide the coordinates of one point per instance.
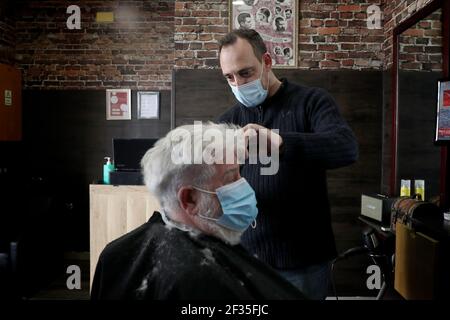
(251, 94)
(238, 202)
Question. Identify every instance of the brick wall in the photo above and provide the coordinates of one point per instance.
(136, 51)
(149, 38)
(7, 38)
(396, 11)
(198, 27)
(332, 34)
(420, 47)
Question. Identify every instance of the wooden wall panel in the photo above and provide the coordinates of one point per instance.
(417, 156)
(10, 115)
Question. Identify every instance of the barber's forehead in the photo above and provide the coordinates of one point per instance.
(240, 50)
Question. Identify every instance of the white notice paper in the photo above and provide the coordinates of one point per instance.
(148, 106)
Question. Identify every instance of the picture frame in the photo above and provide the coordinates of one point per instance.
(277, 23)
(443, 112)
(148, 104)
(118, 104)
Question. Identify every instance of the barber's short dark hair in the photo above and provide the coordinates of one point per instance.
(253, 37)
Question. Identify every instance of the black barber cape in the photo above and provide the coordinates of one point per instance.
(156, 261)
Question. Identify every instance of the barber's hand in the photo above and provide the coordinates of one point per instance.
(273, 139)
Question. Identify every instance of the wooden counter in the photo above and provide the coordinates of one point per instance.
(114, 211)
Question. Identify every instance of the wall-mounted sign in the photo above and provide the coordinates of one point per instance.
(8, 98)
(107, 16)
(118, 104)
(148, 105)
(275, 20)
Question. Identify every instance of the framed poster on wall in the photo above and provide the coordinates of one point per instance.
(275, 21)
(148, 105)
(118, 104)
(443, 112)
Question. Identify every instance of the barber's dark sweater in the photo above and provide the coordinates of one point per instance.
(294, 224)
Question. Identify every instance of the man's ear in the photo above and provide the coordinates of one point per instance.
(267, 60)
(188, 200)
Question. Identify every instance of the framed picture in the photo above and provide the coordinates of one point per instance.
(275, 21)
(148, 104)
(443, 111)
(118, 104)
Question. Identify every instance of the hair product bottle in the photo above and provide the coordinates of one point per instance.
(108, 167)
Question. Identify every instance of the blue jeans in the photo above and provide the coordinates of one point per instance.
(312, 281)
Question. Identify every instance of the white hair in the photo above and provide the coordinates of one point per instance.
(164, 177)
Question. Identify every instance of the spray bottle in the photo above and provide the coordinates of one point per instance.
(108, 167)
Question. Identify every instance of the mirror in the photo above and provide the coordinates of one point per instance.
(420, 59)
(420, 66)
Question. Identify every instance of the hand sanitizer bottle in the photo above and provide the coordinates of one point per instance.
(108, 167)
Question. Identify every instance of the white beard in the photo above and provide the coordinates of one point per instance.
(211, 210)
(227, 235)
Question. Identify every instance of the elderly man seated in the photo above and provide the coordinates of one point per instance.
(190, 250)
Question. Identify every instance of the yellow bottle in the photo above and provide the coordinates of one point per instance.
(419, 188)
(405, 188)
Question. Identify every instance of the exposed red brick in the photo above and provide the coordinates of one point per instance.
(327, 47)
(329, 64)
(332, 30)
(316, 23)
(348, 62)
(349, 8)
(418, 48)
(184, 34)
(98, 55)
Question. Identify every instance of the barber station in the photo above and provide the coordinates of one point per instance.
(226, 151)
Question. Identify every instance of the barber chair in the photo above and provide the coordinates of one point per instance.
(380, 248)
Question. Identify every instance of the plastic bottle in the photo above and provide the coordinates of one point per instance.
(419, 188)
(405, 188)
(108, 167)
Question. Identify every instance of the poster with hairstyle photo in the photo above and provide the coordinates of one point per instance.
(275, 21)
